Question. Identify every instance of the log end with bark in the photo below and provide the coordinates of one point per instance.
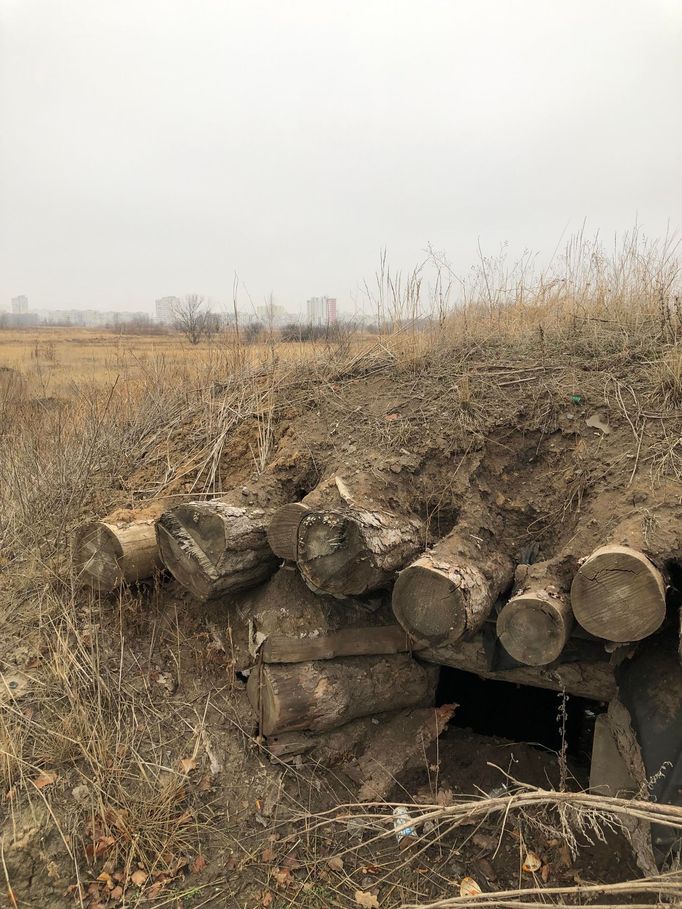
(442, 597)
(106, 554)
(619, 594)
(534, 626)
(283, 530)
(352, 552)
(213, 548)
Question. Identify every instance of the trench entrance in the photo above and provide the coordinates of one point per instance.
(520, 713)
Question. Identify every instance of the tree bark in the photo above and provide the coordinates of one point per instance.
(220, 546)
(323, 695)
(619, 594)
(351, 542)
(590, 680)
(120, 549)
(449, 592)
(535, 624)
(213, 548)
(283, 530)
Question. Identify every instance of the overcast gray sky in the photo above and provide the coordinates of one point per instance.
(152, 147)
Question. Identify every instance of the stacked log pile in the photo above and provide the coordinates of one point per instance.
(359, 617)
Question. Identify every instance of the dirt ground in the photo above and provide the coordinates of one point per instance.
(131, 765)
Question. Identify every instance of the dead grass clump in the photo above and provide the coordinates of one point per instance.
(667, 380)
(80, 730)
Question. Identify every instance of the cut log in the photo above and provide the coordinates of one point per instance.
(594, 680)
(399, 745)
(323, 695)
(213, 548)
(381, 639)
(535, 624)
(352, 552)
(220, 546)
(283, 530)
(354, 540)
(450, 591)
(108, 553)
(619, 594)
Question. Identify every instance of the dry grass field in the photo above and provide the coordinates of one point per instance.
(58, 361)
(129, 765)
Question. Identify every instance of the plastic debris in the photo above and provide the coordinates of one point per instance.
(405, 835)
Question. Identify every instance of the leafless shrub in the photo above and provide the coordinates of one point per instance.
(193, 317)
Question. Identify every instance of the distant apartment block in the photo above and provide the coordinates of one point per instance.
(20, 305)
(272, 314)
(321, 310)
(165, 310)
(89, 318)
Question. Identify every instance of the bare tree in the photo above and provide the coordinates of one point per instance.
(193, 317)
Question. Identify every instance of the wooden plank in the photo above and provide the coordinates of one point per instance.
(380, 639)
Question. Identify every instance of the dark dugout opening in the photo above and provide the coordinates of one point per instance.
(520, 713)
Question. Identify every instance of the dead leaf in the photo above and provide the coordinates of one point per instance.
(335, 863)
(180, 862)
(545, 872)
(531, 863)
(139, 878)
(205, 783)
(198, 864)
(93, 850)
(155, 889)
(366, 899)
(267, 855)
(187, 765)
(484, 841)
(282, 877)
(391, 416)
(445, 798)
(487, 869)
(45, 778)
(469, 887)
(117, 893)
(291, 862)
(565, 856)
(266, 899)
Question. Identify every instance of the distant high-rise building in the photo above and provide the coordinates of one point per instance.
(165, 310)
(271, 314)
(321, 310)
(20, 304)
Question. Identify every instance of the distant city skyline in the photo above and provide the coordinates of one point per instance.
(318, 310)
